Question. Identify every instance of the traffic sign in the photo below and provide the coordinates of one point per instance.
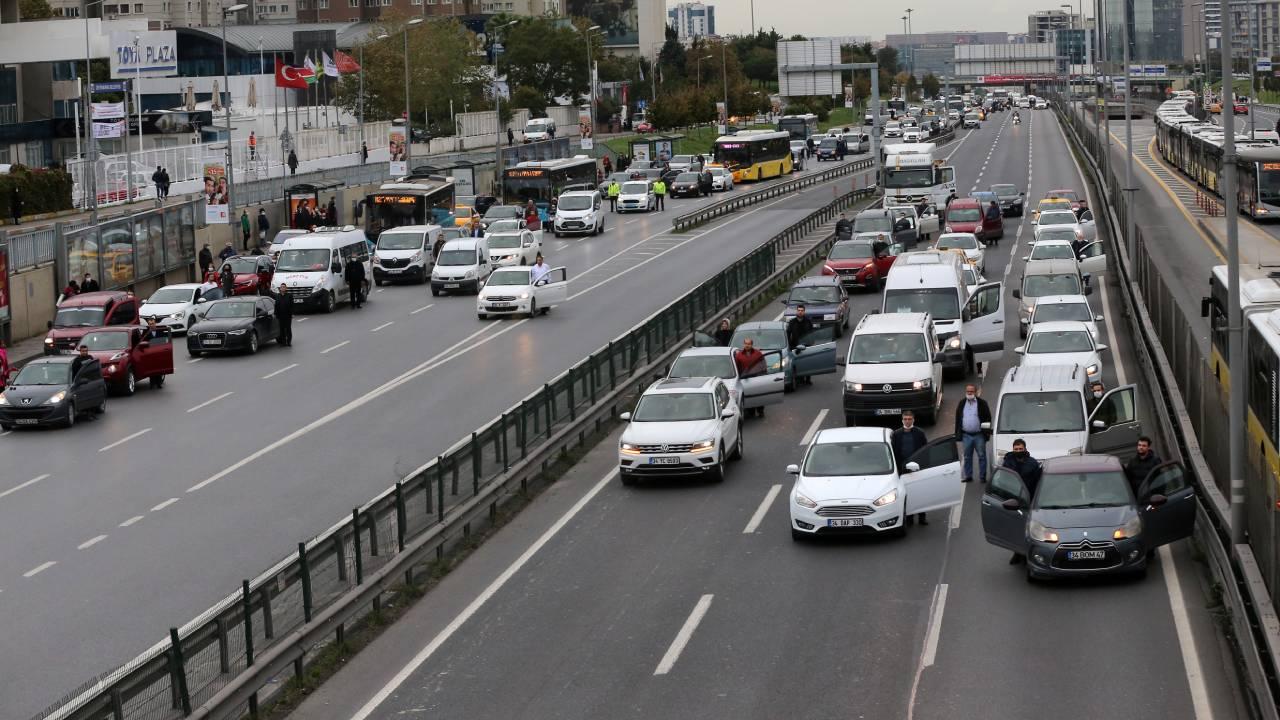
(1264, 64)
(113, 86)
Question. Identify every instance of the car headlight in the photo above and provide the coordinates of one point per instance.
(48, 341)
(703, 446)
(524, 296)
(56, 398)
(947, 229)
(416, 257)
(853, 387)
(176, 316)
(1131, 529)
(886, 498)
(805, 502)
(629, 449)
(3, 400)
(953, 343)
(1040, 533)
(238, 332)
(1092, 369)
(922, 384)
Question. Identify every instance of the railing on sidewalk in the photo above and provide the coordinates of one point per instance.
(215, 665)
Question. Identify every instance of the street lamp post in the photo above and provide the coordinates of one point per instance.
(408, 119)
(911, 43)
(724, 69)
(90, 142)
(591, 88)
(497, 109)
(704, 57)
(231, 183)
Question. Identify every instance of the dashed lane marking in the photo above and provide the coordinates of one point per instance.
(284, 369)
(164, 504)
(131, 521)
(39, 569)
(124, 440)
(211, 401)
(331, 348)
(26, 484)
(91, 542)
(758, 517)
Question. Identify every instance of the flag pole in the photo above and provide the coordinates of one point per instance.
(275, 96)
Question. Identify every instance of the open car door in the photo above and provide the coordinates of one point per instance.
(815, 354)
(1173, 519)
(762, 384)
(158, 352)
(553, 288)
(1005, 527)
(983, 319)
(929, 223)
(936, 485)
(1088, 226)
(1093, 259)
(1113, 424)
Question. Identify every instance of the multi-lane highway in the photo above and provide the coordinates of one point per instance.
(676, 600)
(138, 521)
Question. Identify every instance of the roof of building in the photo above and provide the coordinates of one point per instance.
(279, 38)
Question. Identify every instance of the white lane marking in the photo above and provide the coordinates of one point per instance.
(636, 220)
(164, 504)
(955, 516)
(39, 569)
(452, 352)
(935, 625)
(754, 523)
(471, 609)
(383, 326)
(125, 439)
(6, 432)
(131, 521)
(304, 319)
(682, 638)
(813, 427)
(562, 245)
(331, 348)
(379, 289)
(26, 484)
(780, 316)
(211, 401)
(1121, 375)
(193, 361)
(284, 369)
(421, 309)
(1186, 640)
(91, 542)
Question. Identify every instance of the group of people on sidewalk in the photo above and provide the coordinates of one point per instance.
(161, 180)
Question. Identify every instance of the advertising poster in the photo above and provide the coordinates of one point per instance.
(722, 116)
(584, 127)
(108, 111)
(399, 163)
(664, 150)
(215, 193)
(110, 129)
(640, 151)
(4, 283)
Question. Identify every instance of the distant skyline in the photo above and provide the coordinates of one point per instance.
(822, 18)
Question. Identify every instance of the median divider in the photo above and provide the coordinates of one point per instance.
(216, 665)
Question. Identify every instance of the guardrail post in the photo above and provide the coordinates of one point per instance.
(224, 655)
(551, 406)
(401, 516)
(178, 671)
(613, 370)
(268, 622)
(355, 541)
(117, 706)
(522, 430)
(304, 570)
(573, 412)
(440, 493)
(594, 365)
(340, 550)
(475, 462)
(246, 610)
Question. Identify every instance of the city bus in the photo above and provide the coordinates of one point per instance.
(754, 154)
(413, 200)
(544, 180)
(1195, 148)
(800, 127)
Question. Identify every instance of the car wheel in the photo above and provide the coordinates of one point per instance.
(789, 385)
(253, 342)
(102, 404)
(928, 418)
(157, 382)
(378, 281)
(6, 428)
(435, 292)
(130, 383)
(191, 322)
(850, 420)
(533, 309)
(557, 233)
(330, 302)
(71, 413)
(717, 475)
(1032, 577)
(738, 449)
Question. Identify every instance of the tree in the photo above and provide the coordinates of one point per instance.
(549, 54)
(931, 85)
(34, 10)
(761, 65)
(531, 98)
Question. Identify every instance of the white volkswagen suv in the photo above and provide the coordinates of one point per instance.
(688, 427)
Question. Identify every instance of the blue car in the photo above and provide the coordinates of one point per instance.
(825, 302)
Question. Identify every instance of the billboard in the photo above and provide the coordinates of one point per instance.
(396, 145)
(794, 56)
(152, 53)
(215, 193)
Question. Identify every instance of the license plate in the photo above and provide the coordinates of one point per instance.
(25, 421)
(501, 306)
(664, 461)
(889, 411)
(393, 270)
(212, 341)
(829, 317)
(1086, 554)
(845, 522)
(299, 301)
(450, 286)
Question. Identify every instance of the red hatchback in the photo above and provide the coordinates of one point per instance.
(127, 357)
(78, 313)
(252, 273)
(858, 264)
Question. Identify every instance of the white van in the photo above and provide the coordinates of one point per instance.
(969, 326)
(539, 129)
(313, 266)
(463, 264)
(894, 364)
(579, 212)
(405, 253)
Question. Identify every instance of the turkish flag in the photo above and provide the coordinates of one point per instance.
(346, 63)
(289, 77)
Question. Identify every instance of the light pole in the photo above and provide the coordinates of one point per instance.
(90, 142)
(231, 183)
(911, 43)
(408, 119)
(704, 57)
(1071, 60)
(591, 88)
(1235, 318)
(724, 70)
(1255, 49)
(497, 108)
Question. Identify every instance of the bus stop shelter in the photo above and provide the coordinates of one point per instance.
(308, 194)
(654, 148)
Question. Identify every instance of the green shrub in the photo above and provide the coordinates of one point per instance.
(42, 191)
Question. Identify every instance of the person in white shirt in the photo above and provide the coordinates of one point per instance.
(540, 269)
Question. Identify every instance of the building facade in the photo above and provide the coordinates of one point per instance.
(1043, 23)
(932, 52)
(692, 19)
(1255, 28)
(1155, 30)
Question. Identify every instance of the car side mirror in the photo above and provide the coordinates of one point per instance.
(727, 413)
(912, 467)
(1012, 504)
(1157, 500)
(1025, 258)
(1099, 425)
(1021, 349)
(793, 469)
(625, 417)
(800, 349)
(1022, 194)
(1017, 294)
(1101, 348)
(1097, 318)
(985, 426)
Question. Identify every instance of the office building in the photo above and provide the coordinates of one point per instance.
(692, 19)
(932, 52)
(1042, 23)
(1155, 30)
(1255, 28)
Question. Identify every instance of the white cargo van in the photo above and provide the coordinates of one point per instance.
(579, 212)
(969, 326)
(539, 129)
(463, 265)
(313, 266)
(405, 253)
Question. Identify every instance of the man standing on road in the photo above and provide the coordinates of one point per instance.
(971, 413)
(284, 313)
(659, 193)
(749, 360)
(724, 333)
(614, 191)
(264, 226)
(905, 441)
(844, 227)
(539, 269)
(1137, 469)
(1027, 468)
(228, 280)
(205, 257)
(354, 276)
(797, 328)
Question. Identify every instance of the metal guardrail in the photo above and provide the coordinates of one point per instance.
(1253, 618)
(215, 665)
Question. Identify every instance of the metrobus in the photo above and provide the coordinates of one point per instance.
(911, 176)
(754, 154)
(412, 200)
(1196, 148)
(543, 180)
(800, 127)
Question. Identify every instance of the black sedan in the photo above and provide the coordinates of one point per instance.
(1011, 199)
(687, 184)
(234, 324)
(53, 390)
(1084, 518)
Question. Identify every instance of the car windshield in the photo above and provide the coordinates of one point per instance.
(635, 188)
(79, 317)
(170, 296)
(848, 458)
(675, 407)
(574, 202)
(941, 303)
(877, 348)
(1067, 491)
(448, 234)
(763, 338)
(401, 240)
(1052, 251)
(503, 211)
(1040, 412)
(959, 242)
(872, 224)
(232, 309)
(828, 143)
(44, 374)
(313, 260)
(964, 215)
(456, 258)
(690, 366)
(816, 295)
(1004, 190)
(1050, 312)
(1051, 284)
(687, 177)
(498, 226)
(851, 251)
(243, 265)
(106, 340)
(719, 172)
(1065, 195)
(508, 278)
(1059, 341)
(504, 241)
(1057, 218)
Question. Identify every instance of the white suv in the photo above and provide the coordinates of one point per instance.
(688, 427)
(894, 364)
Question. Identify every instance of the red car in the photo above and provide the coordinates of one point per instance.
(1065, 194)
(643, 127)
(968, 215)
(252, 273)
(88, 310)
(857, 263)
(127, 356)
(1241, 109)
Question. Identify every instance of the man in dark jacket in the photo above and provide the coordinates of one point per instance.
(724, 333)
(905, 441)
(797, 328)
(284, 313)
(88, 284)
(228, 251)
(1029, 469)
(971, 413)
(844, 227)
(157, 177)
(1137, 469)
(228, 280)
(206, 256)
(293, 163)
(264, 226)
(354, 276)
